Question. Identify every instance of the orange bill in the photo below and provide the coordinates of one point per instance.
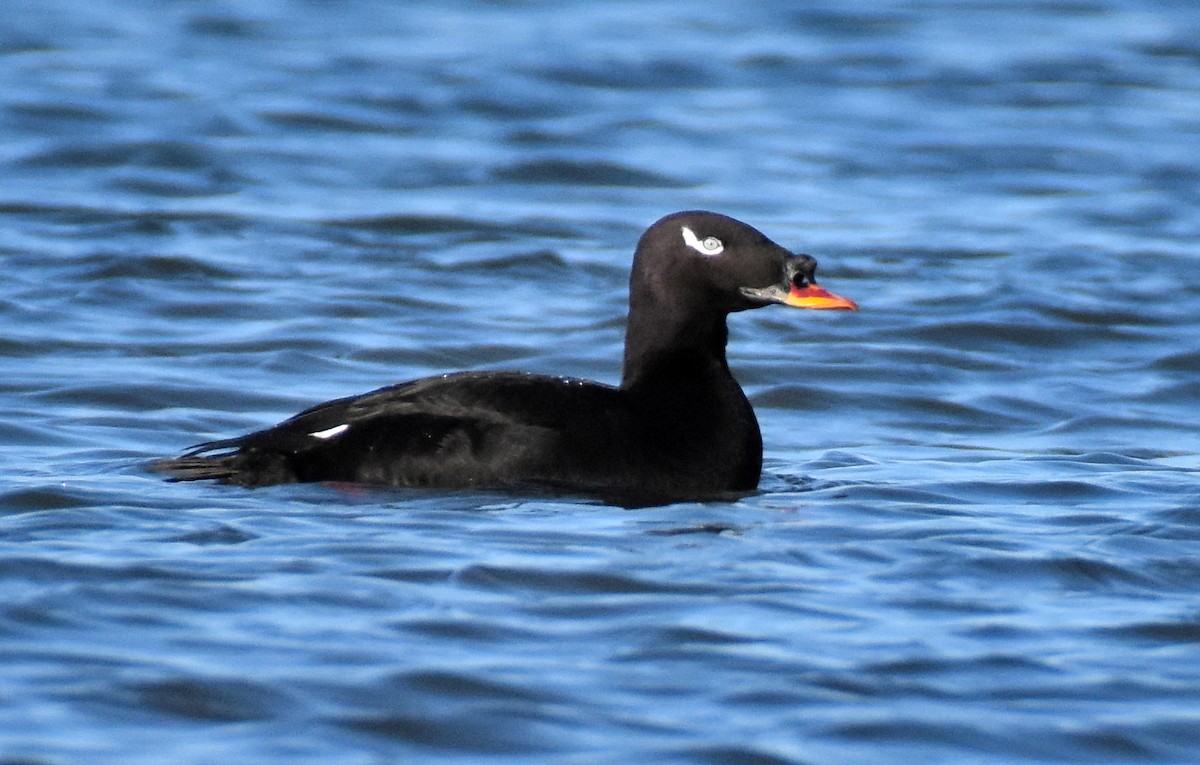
(813, 296)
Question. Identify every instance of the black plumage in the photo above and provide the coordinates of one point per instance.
(678, 425)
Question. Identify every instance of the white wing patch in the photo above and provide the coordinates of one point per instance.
(708, 246)
(336, 430)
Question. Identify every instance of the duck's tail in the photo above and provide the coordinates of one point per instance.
(215, 460)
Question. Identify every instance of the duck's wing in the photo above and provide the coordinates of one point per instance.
(459, 430)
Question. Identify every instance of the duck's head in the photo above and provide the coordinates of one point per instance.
(711, 260)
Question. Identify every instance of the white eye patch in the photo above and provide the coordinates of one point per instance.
(709, 245)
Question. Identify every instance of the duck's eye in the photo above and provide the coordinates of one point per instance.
(709, 245)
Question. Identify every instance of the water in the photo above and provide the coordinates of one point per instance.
(978, 535)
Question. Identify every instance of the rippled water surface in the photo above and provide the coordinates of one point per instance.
(978, 534)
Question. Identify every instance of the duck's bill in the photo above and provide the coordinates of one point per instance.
(813, 296)
(809, 296)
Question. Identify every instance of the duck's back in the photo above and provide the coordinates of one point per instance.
(458, 430)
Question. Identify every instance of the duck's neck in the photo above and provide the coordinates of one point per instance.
(678, 383)
(666, 345)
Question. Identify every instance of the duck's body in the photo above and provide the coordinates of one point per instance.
(498, 429)
(678, 425)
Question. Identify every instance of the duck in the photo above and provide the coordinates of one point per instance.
(677, 427)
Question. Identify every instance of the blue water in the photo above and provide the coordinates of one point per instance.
(978, 533)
